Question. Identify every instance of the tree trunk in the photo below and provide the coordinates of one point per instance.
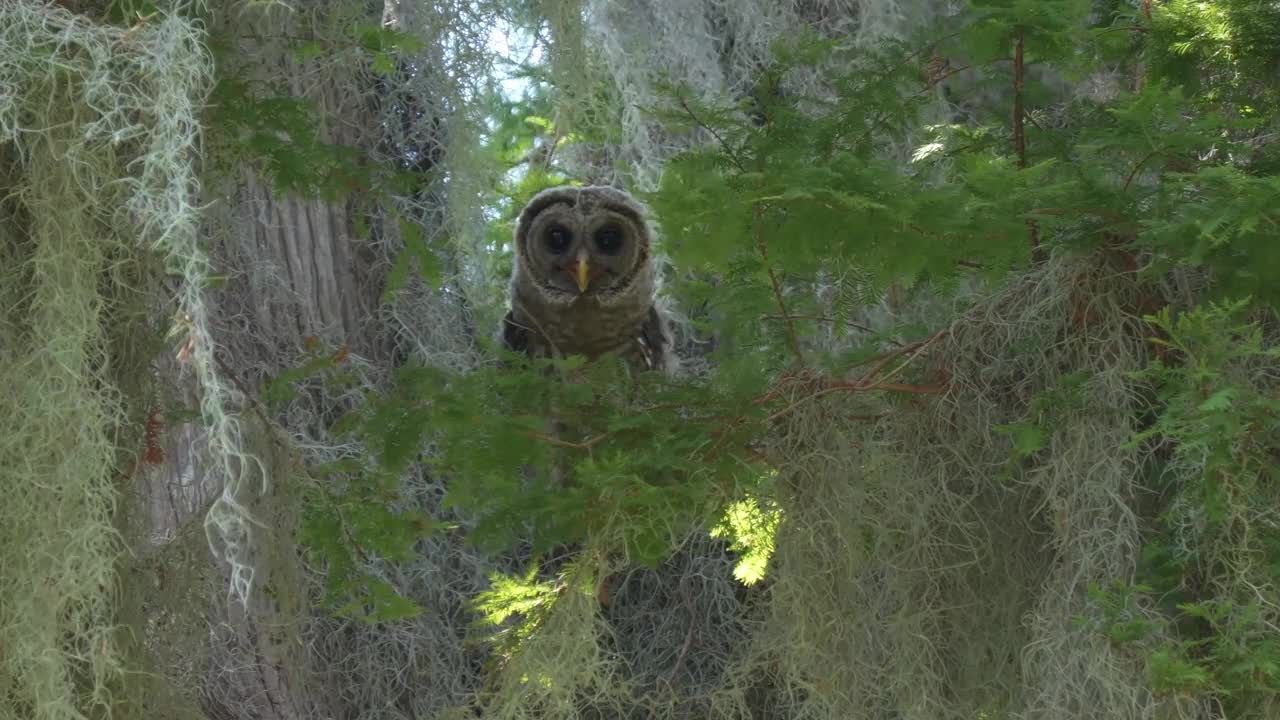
(297, 277)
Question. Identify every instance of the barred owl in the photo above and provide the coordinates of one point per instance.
(583, 282)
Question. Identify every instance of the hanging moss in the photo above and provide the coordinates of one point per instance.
(96, 150)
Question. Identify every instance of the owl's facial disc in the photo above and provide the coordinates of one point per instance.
(567, 266)
(576, 250)
(607, 242)
(611, 246)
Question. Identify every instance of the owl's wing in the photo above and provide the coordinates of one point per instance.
(655, 343)
(515, 337)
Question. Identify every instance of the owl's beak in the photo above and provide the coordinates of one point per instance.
(582, 271)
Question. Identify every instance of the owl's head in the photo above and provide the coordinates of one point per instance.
(583, 242)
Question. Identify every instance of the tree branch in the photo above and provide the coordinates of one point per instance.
(1134, 172)
(821, 318)
(763, 248)
(1020, 137)
(733, 156)
(587, 444)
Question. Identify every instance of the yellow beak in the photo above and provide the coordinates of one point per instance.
(582, 273)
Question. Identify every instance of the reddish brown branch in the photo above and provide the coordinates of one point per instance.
(587, 444)
(788, 380)
(1100, 212)
(883, 360)
(800, 381)
(1140, 68)
(925, 233)
(935, 389)
(871, 380)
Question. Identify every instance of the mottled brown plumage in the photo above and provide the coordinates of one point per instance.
(583, 282)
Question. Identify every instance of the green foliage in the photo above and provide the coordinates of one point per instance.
(96, 197)
(1223, 218)
(1224, 51)
(1212, 566)
(796, 183)
(351, 519)
(1049, 28)
(524, 599)
(281, 136)
(416, 252)
(642, 472)
(1170, 671)
(751, 525)
(325, 365)
(382, 44)
(639, 475)
(128, 12)
(1232, 653)
(796, 213)
(525, 141)
(1222, 422)
(1047, 409)
(1122, 618)
(1238, 658)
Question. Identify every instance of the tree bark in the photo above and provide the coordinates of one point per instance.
(297, 276)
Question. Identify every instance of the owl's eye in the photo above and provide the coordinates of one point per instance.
(558, 240)
(609, 239)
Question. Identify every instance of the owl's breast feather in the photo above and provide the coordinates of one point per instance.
(588, 328)
(584, 327)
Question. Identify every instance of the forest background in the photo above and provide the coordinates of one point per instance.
(977, 414)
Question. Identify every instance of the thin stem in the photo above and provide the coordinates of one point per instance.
(858, 387)
(777, 289)
(733, 157)
(1020, 136)
(872, 380)
(821, 318)
(584, 445)
(1019, 125)
(1134, 173)
(933, 81)
(1097, 212)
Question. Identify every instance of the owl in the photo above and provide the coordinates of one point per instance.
(584, 281)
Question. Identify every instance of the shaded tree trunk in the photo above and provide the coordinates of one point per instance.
(297, 277)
